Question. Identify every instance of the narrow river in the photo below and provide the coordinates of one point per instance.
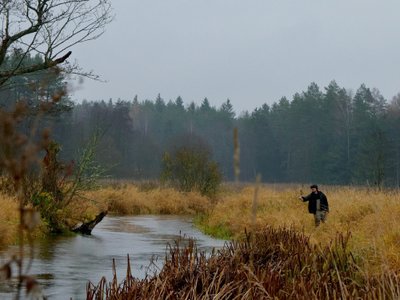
(64, 265)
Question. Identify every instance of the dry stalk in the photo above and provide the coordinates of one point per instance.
(236, 154)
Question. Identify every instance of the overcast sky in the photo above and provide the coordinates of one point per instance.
(252, 52)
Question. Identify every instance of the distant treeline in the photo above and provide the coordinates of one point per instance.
(325, 136)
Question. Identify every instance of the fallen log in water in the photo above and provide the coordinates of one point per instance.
(87, 227)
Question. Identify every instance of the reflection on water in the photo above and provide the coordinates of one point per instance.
(63, 265)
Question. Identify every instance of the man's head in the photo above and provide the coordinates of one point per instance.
(314, 188)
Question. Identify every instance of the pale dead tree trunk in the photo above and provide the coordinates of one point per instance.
(348, 128)
(48, 28)
(346, 120)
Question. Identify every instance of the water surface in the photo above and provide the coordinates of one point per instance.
(64, 265)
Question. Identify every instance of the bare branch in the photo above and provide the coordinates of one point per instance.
(49, 28)
(4, 76)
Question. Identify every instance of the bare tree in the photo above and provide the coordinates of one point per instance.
(48, 28)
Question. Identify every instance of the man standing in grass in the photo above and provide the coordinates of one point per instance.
(317, 204)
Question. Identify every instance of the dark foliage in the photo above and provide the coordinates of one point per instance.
(325, 136)
(189, 167)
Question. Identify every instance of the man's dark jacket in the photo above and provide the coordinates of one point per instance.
(312, 202)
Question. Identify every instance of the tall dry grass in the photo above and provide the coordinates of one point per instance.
(9, 220)
(269, 264)
(372, 217)
(128, 199)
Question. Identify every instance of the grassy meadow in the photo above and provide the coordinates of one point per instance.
(371, 217)
(147, 198)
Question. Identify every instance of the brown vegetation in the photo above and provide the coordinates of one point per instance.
(130, 199)
(372, 217)
(273, 264)
(10, 222)
(9, 217)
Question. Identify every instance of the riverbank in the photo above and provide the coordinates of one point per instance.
(117, 199)
(139, 199)
(63, 265)
(353, 255)
(372, 217)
